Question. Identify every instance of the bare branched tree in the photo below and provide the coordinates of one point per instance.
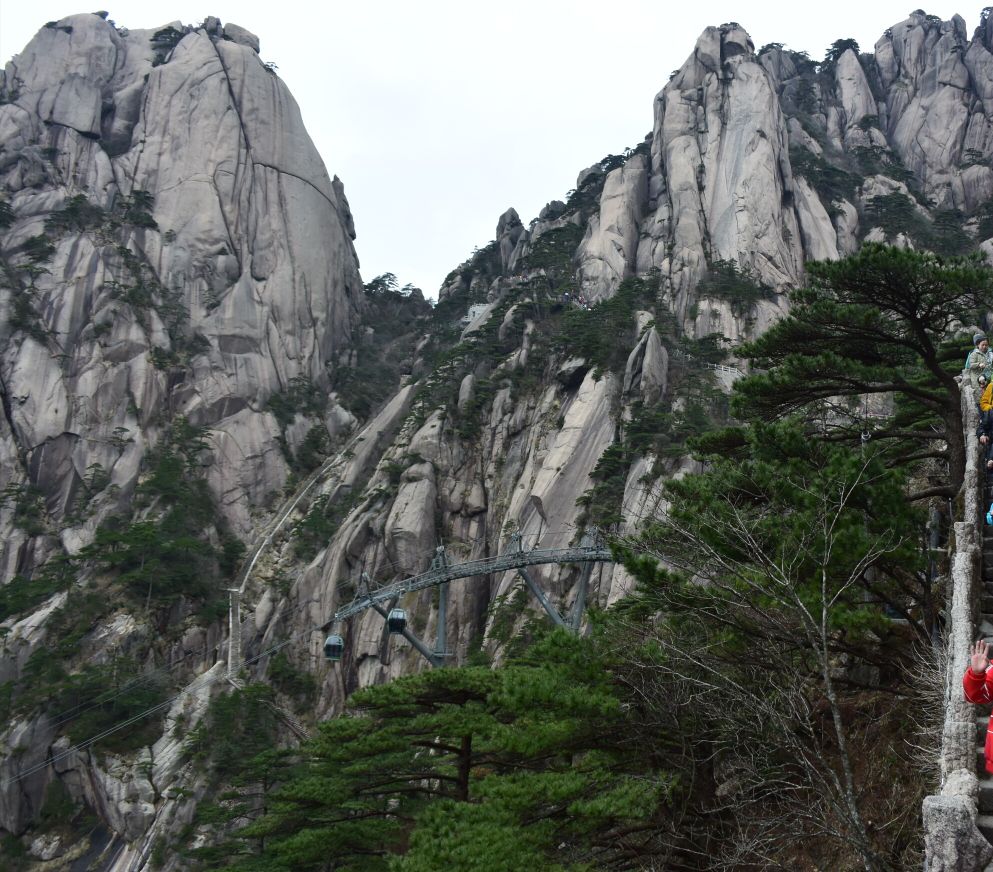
(753, 600)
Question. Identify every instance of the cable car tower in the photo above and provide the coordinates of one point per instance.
(441, 573)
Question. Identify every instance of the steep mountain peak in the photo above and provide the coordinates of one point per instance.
(714, 48)
(189, 355)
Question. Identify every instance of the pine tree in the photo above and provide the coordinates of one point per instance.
(467, 768)
(875, 323)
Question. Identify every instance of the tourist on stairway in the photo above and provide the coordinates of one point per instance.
(978, 685)
(980, 359)
(985, 429)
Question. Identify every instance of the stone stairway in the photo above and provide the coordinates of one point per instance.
(301, 732)
(298, 729)
(985, 819)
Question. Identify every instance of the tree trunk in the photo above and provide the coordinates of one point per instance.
(465, 764)
(863, 844)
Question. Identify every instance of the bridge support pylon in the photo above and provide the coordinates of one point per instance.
(432, 657)
(579, 606)
(545, 602)
(575, 618)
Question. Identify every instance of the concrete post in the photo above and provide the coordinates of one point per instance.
(234, 632)
(441, 639)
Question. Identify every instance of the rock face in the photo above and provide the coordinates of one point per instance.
(757, 163)
(932, 114)
(720, 169)
(245, 233)
(743, 145)
(201, 264)
(608, 253)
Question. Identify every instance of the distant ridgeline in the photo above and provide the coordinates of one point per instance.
(730, 349)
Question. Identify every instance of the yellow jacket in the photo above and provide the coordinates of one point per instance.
(986, 400)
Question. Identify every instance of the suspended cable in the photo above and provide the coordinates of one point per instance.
(83, 745)
(84, 706)
(147, 677)
(245, 575)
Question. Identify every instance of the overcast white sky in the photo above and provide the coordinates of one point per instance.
(438, 115)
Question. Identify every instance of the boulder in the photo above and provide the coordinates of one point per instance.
(509, 230)
(587, 174)
(952, 843)
(466, 392)
(241, 36)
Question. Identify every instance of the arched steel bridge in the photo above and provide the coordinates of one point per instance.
(590, 550)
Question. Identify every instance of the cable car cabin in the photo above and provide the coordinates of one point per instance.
(396, 621)
(334, 646)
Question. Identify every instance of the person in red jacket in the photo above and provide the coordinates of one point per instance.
(978, 685)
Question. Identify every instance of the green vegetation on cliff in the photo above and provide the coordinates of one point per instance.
(747, 705)
(875, 323)
(534, 764)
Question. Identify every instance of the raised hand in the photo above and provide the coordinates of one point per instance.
(979, 657)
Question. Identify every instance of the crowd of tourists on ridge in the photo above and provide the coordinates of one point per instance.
(977, 683)
(979, 369)
(576, 299)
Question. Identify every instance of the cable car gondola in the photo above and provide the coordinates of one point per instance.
(396, 620)
(334, 646)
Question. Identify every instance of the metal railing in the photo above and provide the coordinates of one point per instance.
(719, 367)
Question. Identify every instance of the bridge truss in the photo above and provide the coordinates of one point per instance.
(383, 600)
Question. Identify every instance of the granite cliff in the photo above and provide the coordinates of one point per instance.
(180, 284)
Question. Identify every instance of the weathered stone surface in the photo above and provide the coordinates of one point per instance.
(509, 230)
(609, 250)
(563, 471)
(466, 391)
(846, 225)
(241, 36)
(588, 173)
(27, 741)
(344, 210)
(247, 235)
(26, 636)
(720, 171)
(819, 235)
(647, 368)
(642, 501)
(258, 240)
(952, 842)
(799, 138)
(855, 96)
(262, 255)
(410, 530)
(925, 68)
